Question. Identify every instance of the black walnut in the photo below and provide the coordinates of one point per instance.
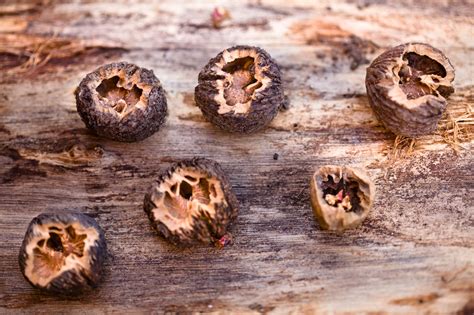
(240, 90)
(191, 202)
(63, 253)
(341, 197)
(122, 102)
(407, 88)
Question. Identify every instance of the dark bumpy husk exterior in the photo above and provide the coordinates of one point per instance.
(422, 117)
(137, 125)
(331, 218)
(263, 108)
(204, 230)
(73, 281)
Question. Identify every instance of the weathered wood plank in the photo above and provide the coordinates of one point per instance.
(413, 254)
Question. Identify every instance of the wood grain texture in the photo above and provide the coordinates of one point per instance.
(414, 253)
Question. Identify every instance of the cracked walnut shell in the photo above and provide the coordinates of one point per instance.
(122, 101)
(341, 197)
(240, 90)
(407, 88)
(191, 201)
(63, 253)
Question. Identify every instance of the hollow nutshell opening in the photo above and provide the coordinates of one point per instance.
(415, 66)
(120, 98)
(241, 84)
(342, 195)
(187, 195)
(49, 254)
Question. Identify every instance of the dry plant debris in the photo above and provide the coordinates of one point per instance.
(457, 126)
(22, 53)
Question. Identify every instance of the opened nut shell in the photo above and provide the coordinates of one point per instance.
(191, 202)
(240, 90)
(122, 101)
(407, 88)
(63, 253)
(341, 197)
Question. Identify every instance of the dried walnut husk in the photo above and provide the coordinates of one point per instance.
(407, 88)
(240, 89)
(122, 101)
(341, 197)
(191, 202)
(63, 253)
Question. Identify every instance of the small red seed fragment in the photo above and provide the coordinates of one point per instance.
(224, 241)
(218, 16)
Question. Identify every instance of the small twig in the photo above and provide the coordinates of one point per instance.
(300, 193)
(447, 279)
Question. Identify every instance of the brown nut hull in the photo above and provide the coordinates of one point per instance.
(72, 278)
(264, 103)
(329, 216)
(407, 86)
(199, 226)
(137, 117)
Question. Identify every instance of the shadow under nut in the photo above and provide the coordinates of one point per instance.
(122, 102)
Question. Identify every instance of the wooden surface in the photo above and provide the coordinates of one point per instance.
(414, 253)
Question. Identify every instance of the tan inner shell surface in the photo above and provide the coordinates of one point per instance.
(56, 248)
(242, 80)
(187, 194)
(119, 94)
(418, 75)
